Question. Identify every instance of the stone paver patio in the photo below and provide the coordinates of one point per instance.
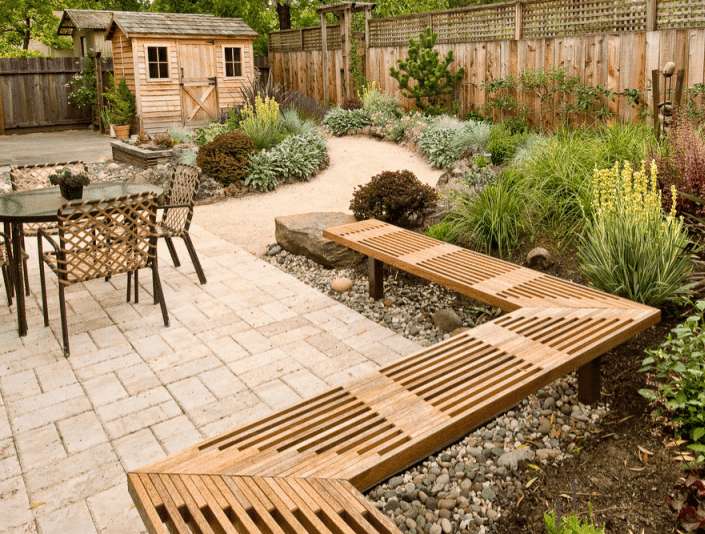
(249, 342)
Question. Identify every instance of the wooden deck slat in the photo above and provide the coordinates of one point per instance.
(298, 471)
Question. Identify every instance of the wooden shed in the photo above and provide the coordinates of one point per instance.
(87, 29)
(183, 68)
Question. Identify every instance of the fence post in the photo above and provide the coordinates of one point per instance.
(346, 30)
(99, 90)
(651, 15)
(324, 57)
(2, 113)
(518, 20)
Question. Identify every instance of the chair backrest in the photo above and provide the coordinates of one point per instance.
(182, 191)
(99, 238)
(29, 177)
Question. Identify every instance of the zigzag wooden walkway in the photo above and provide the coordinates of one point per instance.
(299, 470)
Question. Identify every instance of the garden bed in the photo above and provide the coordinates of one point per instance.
(140, 157)
(601, 457)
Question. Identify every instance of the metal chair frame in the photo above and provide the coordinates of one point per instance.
(100, 239)
(28, 177)
(178, 213)
(4, 266)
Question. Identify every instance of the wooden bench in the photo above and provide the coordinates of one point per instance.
(301, 469)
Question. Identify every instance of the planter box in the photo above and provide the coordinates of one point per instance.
(140, 157)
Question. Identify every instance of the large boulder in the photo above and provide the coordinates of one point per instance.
(303, 234)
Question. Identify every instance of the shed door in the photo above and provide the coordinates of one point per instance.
(199, 94)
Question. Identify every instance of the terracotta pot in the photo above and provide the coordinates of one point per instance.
(122, 131)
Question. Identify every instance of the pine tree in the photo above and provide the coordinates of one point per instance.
(432, 77)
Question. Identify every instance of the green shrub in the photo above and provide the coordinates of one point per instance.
(290, 122)
(298, 155)
(181, 135)
(262, 171)
(558, 169)
(374, 101)
(397, 197)
(630, 248)
(446, 138)
(480, 161)
(677, 376)
(492, 215)
(571, 524)
(441, 231)
(502, 143)
(474, 115)
(351, 102)
(261, 122)
(207, 134)
(339, 121)
(225, 158)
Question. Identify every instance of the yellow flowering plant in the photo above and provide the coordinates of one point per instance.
(631, 248)
(261, 122)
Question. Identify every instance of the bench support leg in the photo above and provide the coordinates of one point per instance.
(376, 278)
(589, 382)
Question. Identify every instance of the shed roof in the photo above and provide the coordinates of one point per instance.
(188, 24)
(84, 19)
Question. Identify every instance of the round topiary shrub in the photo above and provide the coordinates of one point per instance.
(351, 102)
(225, 158)
(396, 197)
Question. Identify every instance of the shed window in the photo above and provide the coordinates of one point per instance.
(233, 61)
(157, 62)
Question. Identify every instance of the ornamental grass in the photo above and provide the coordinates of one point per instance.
(630, 247)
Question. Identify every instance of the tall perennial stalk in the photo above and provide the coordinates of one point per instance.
(631, 247)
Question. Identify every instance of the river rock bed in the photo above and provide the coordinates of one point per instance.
(408, 305)
(465, 487)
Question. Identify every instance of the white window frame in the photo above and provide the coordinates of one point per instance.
(242, 62)
(147, 46)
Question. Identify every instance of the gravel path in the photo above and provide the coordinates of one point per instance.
(249, 221)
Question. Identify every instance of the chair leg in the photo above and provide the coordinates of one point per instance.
(8, 288)
(137, 285)
(172, 251)
(129, 287)
(64, 322)
(26, 277)
(194, 258)
(42, 280)
(45, 308)
(159, 293)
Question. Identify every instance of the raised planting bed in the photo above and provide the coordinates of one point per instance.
(140, 157)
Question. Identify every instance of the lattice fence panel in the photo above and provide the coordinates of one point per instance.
(680, 14)
(312, 38)
(475, 25)
(333, 37)
(397, 32)
(570, 17)
(285, 41)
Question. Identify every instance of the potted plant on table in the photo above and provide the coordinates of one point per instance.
(71, 185)
(121, 108)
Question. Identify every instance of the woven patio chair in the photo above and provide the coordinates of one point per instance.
(28, 177)
(98, 239)
(5, 267)
(178, 212)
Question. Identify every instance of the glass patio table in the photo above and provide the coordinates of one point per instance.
(40, 206)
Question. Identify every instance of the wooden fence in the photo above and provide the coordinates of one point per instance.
(616, 43)
(34, 92)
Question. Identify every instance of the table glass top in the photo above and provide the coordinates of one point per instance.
(41, 205)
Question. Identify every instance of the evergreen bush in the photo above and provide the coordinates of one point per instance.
(225, 158)
(396, 197)
(432, 77)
